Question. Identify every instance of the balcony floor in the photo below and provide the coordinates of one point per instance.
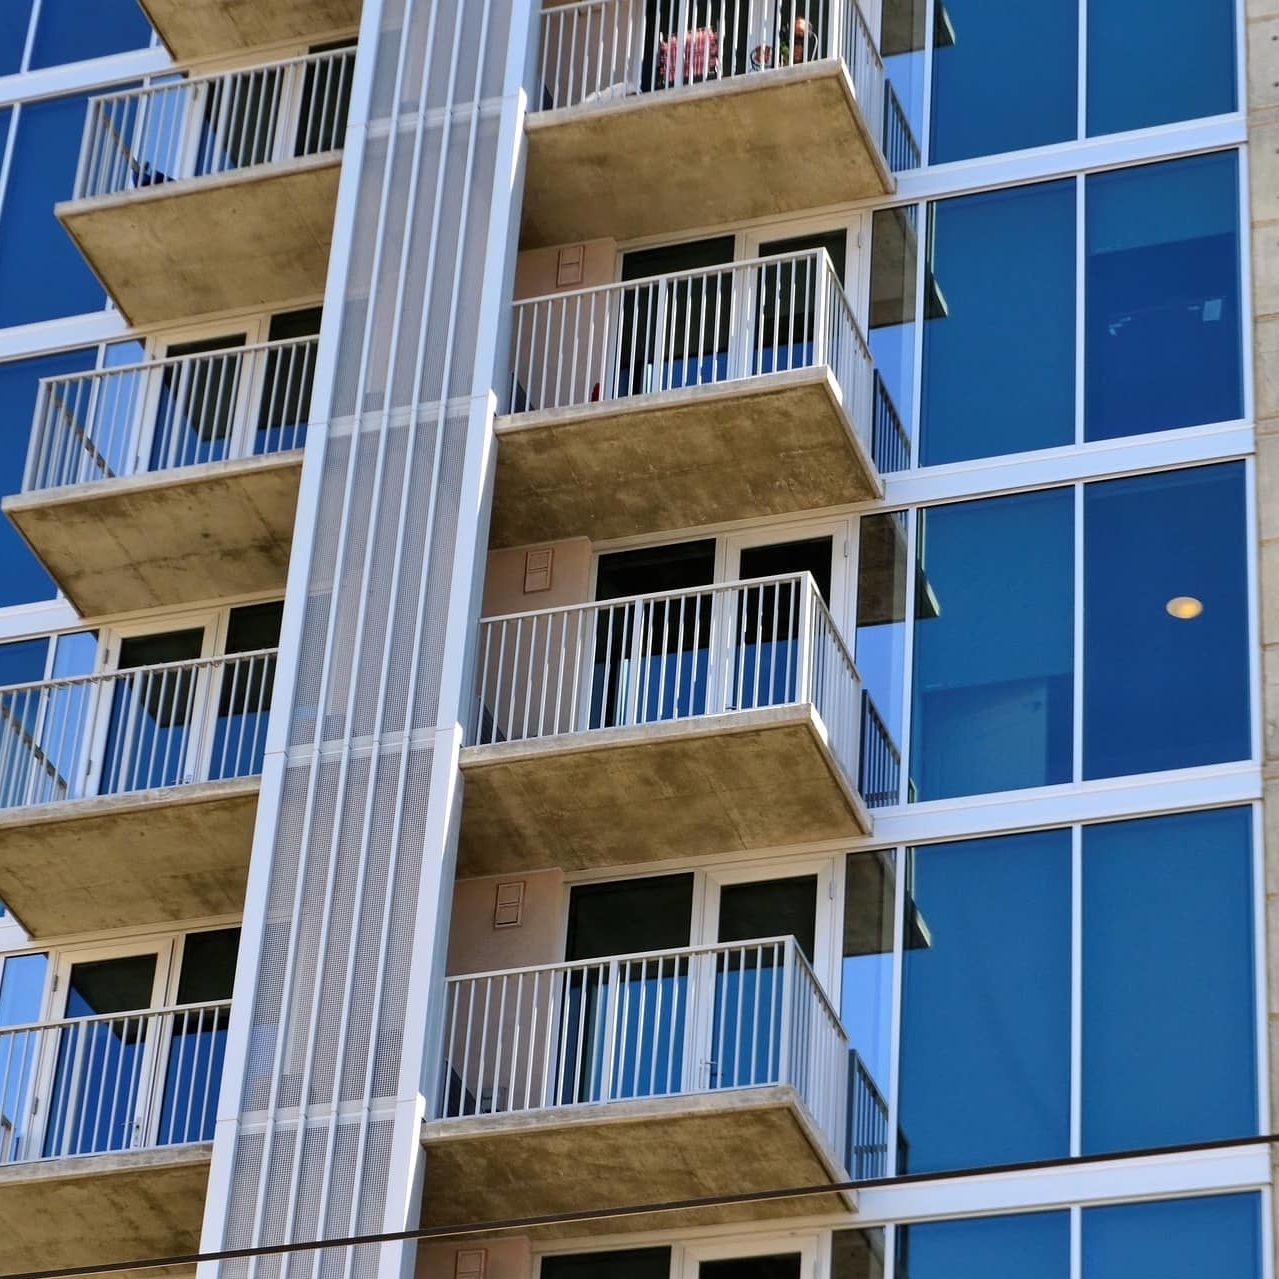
(246, 238)
(195, 29)
(622, 796)
(800, 126)
(103, 1208)
(146, 858)
(770, 445)
(625, 1153)
(166, 537)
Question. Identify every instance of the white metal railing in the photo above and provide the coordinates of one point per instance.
(125, 1081)
(138, 729)
(203, 125)
(248, 401)
(677, 655)
(692, 328)
(601, 49)
(660, 1024)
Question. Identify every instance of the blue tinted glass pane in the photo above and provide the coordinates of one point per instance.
(1165, 621)
(14, 16)
(987, 1248)
(1154, 61)
(999, 337)
(72, 30)
(24, 580)
(23, 662)
(1002, 53)
(985, 1054)
(1181, 1239)
(42, 275)
(1169, 1034)
(1163, 346)
(994, 655)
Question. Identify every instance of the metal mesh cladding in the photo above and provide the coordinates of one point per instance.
(404, 403)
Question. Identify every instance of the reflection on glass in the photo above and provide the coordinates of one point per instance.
(1163, 346)
(891, 333)
(197, 401)
(1152, 62)
(1178, 1239)
(14, 16)
(244, 693)
(71, 31)
(1162, 691)
(994, 646)
(857, 1254)
(881, 649)
(985, 1020)
(999, 332)
(1037, 1244)
(1001, 53)
(866, 993)
(629, 1263)
(1169, 1031)
(60, 740)
(22, 982)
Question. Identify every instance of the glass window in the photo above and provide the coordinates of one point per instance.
(1165, 621)
(1176, 1239)
(891, 332)
(14, 17)
(1036, 1244)
(630, 1263)
(1151, 62)
(23, 661)
(22, 980)
(73, 30)
(42, 274)
(24, 579)
(1163, 346)
(999, 332)
(881, 650)
(994, 637)
(985, 1019)
(1004, 52)
(1169, 1029)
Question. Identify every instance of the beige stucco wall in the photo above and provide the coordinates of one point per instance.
(475, 946)
(504, 578)
(504, 1259)
(536, 269)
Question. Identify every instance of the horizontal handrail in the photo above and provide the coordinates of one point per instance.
(597, 50)
(137, 729)
(700, 327)
(210, 124)
(695, 1019)
(159, 415)
(119, 1081)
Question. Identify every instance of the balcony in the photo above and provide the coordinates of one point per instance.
(171, 482)
(105, 1132)
(196, 29)
(213, 193)
(689, 399)
(128, 799)
(635, 134)
(712, 1070)
(629, 730)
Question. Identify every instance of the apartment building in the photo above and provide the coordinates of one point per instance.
(641, 633)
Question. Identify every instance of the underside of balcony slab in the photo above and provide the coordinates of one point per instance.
(613, 797)
(769, 445)
(254, 237)
(168, 537)
(195, 29)
(98, 1209)
(146, 858)
(628, 1153)
(750, 146)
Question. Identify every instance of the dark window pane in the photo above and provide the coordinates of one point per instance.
(994, 636)
(208, 966)
(1005, 52)
(42, 274)
(630, 1263)
(1163, 346)
(1165, 622)
(73, 30)
(1151, 62)
(1178, 1239)
(14, 16)
(1169, 1033)
(630, 916)
(985, 1054)
(999, 336)
(23, 662)
(24, 579)
(987, 1248)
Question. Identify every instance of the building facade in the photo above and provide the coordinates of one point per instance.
(496, 731)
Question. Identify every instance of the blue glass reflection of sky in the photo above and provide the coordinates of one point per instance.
(15, 15)
(1177, 1239)
(985, 1037)
(74, 30)
(1035, 1244)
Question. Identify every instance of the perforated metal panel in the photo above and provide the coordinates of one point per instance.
(355, 851)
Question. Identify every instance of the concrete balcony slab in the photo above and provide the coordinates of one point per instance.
(196, 29)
